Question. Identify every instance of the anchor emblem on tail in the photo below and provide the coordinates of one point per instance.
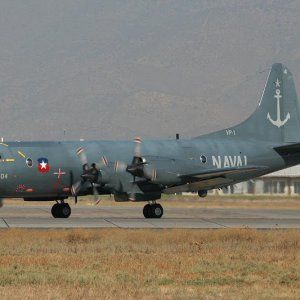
(278, 122)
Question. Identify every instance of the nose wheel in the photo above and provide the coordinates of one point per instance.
(61, 210)
(153, 211)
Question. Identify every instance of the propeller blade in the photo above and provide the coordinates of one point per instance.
(120, 166)
(137, 147)
(102, 163)
(76, 187)
(133, 191)
(82, 156)
(97, 199)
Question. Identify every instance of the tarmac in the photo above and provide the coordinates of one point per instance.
(39, 216)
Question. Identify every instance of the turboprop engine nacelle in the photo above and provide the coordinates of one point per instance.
(160, 175)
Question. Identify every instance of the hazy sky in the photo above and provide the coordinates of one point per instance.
(117, 69)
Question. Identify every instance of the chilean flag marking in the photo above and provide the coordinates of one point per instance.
(43, 165)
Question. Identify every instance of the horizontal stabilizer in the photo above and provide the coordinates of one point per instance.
(288, 149)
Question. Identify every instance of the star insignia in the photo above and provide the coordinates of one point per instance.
(43, 165)
(277, 83)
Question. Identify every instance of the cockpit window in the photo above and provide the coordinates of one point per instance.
(29, 162)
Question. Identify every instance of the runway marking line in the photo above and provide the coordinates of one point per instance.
(207, 220)
(5, 223)
(115, 225)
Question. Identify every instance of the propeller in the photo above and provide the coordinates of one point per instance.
(82, 157)
(136, 166)
(137, 148)
(76, 188)
(102, 163)
(89, 176)
(139, 166)
(97, 198)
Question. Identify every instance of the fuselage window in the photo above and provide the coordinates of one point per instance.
(29, 162)
(203, 159)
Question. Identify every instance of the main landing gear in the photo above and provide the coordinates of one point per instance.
(61, 210)
(202, 193)
(153, 210)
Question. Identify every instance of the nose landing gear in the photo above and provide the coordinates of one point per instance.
(154, 211)
(61, 210)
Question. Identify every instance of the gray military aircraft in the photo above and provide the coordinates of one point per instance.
(269, 140)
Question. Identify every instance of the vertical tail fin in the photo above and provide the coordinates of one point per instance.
(277, 117)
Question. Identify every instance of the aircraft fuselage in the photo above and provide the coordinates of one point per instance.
(20, 179)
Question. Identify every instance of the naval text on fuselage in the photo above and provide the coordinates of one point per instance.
(225, 161)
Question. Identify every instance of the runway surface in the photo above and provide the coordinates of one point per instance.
(131, 217)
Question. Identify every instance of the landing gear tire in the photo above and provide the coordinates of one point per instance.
(153, 211)
(202, 193)
(147, 211)
(61, 210)
(156, 211)
(65, 210)
(55, 210)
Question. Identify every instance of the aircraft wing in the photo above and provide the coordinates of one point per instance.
(213, 178)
